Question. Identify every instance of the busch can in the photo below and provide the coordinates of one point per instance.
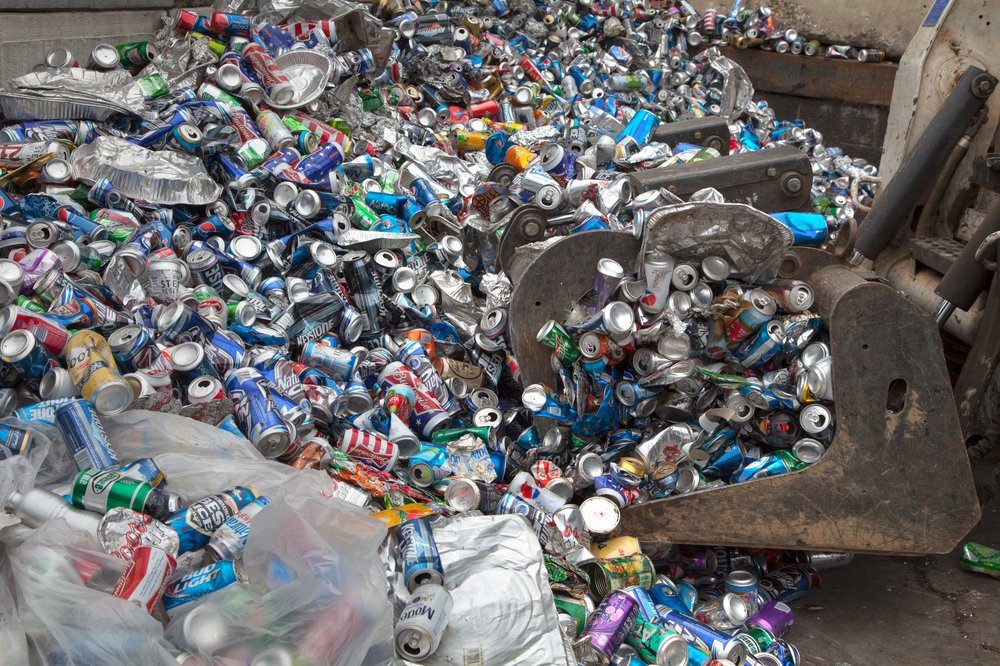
(196, 523)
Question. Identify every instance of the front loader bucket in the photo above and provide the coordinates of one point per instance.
(896, 478)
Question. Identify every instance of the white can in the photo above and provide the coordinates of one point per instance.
(422, 622)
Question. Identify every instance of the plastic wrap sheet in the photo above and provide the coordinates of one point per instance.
(751, 241)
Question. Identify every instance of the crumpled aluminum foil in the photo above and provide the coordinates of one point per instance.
(504, 612)
(751, 241)
(71, 93)
(498, 290)
(737, 90)
(444, 167)
(456, 293)
(180, 61)
(163, 176)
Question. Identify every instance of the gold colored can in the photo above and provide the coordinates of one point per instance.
(93, 370)
(633, 465)
(471, 374)
(663, 470)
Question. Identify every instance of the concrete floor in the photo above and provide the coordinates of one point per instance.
(894, 610)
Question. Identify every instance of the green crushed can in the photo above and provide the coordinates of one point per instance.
(153, 86)
(445, 435)
(981, 559)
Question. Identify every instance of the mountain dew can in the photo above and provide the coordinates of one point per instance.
(553, 335)
(657, 645)
(981, 559)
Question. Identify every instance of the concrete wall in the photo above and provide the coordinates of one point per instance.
(884, 24)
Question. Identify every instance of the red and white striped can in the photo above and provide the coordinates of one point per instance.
(145, 577)
(271, 76)
(376, 451)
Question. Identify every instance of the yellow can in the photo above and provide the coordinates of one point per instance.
(94, 372)
(465, 141)
(619, 546)
(519, 157)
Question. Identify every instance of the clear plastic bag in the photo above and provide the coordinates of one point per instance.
(316, 586)
(64, 582)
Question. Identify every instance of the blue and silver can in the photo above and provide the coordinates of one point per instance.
(84, 436)
(716, 643)
(133, 348)
(418, 554)
(41, 412)
(256, 412)
(336, 362)
(203, 581)
(228, 541)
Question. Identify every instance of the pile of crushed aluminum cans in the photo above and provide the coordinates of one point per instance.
(261, 400)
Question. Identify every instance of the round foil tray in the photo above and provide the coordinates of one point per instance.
(309, 73)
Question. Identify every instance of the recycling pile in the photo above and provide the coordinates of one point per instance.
(259, 374)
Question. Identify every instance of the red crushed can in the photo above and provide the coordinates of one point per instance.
(145, 577)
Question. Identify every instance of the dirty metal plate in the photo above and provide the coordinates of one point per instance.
(936, 253)
(559, 275)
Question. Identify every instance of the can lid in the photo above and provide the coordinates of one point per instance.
(685, 276)
(201, 259)
(112, 397)
(813, 418)
(323, 254)
(808, 450)
(601, 515)
(16, 345)
(203, 387)
(488, 417)
(247, 248)
(740, 580)
(404, 279)
(618, 318)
